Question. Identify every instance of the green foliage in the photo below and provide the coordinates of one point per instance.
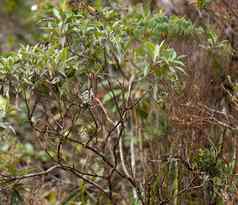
(13, 154)
(206, 160)
(78, 44)
(215, 45)
(17, 24)
(203, 4)
(16, 6)
(97, 78)
(159, 26)
(16, 198)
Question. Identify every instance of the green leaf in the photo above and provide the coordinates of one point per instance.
(4, 147)
(71, 197)
(16, 198)
(109, 95)
(146, 69)
(180, 69)
(157, 51)
(56, 13)
(150, 48)
(29, 149)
